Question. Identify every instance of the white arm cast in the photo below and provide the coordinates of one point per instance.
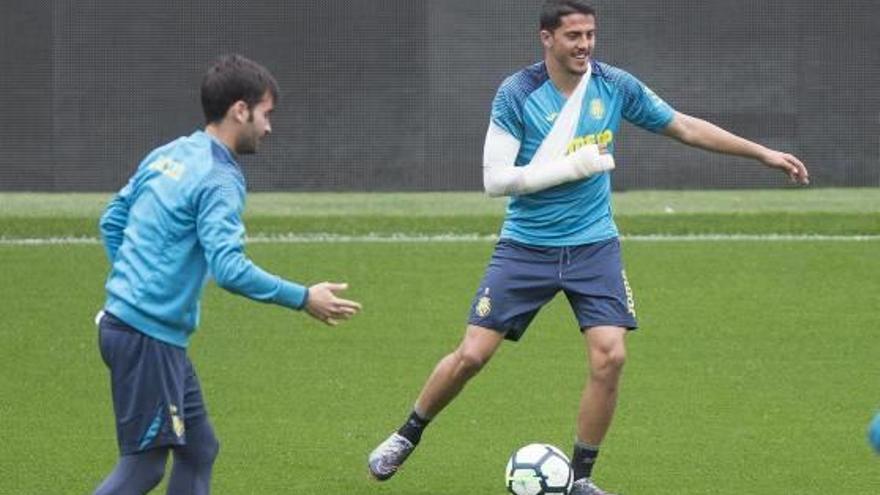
(502, 178)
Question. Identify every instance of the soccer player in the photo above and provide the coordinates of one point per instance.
(558, 234)
(176, 221)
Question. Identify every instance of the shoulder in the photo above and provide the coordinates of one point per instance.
(633, 91)
(209, 167)
(517, 87)
(615, 76)
(208, 159)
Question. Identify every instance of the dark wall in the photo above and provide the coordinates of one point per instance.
(382, 95)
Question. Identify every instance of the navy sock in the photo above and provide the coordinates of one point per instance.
(413, 428)
(583, 459)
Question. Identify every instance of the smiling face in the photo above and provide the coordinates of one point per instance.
(570, 46)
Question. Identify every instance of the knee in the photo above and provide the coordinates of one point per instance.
(608, 362)
(201, 449)
(205, 448)
(469, 362)
(209, 450)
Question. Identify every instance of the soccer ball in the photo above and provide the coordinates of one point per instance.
(538, 469)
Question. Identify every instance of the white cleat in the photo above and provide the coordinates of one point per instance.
(585, 486)
(387, 458)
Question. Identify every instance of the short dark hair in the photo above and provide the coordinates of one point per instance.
(232, 78)
(554, 10)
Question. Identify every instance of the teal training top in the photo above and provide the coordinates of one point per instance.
(577, 212)
(177, 221)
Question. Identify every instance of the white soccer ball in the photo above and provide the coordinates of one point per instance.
(538, 469)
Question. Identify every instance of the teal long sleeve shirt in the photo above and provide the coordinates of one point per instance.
(173, 226)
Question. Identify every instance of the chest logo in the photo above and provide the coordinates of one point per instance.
(597, 109)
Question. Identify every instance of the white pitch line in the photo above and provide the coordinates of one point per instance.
(410, 238)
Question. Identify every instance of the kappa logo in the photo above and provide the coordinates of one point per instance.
(551, 117)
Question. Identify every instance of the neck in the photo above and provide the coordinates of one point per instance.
(223, 135)
(564, 80)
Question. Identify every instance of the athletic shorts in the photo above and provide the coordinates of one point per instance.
(522, 278)
(156, 393)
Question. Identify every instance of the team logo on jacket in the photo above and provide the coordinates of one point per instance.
(484, 305)
(168, 167)
(597, 109)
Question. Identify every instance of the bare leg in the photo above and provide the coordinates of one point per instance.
(453, 371)
(607, 354)
(446, 381)
(605, 346)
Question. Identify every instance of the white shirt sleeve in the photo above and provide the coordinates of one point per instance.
(501, 177)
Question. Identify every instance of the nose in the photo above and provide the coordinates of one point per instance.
(268, 128)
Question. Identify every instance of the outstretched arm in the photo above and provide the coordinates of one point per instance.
(220, 231)
(701, 134)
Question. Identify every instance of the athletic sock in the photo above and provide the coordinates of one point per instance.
(583, 459)
(413, 428)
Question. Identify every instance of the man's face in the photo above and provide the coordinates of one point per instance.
(256, 126)
(571, 44)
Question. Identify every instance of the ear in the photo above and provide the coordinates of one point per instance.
(239, 112)
(546, 38)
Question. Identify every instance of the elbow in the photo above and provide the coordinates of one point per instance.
(492, 190)
(681, 128)
(105, 223)
(229, 269)
(493, 186)
(227, 279)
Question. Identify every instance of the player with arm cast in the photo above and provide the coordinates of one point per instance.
(558, 234)
(177, 221)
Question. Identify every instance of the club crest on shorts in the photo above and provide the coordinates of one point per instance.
(484, 305)
(176, 422)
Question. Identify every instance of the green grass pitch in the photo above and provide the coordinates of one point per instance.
(755, 369)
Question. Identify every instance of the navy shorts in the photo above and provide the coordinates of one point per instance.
(156, 394)
(521, 278)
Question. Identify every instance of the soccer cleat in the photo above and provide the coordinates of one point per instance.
(386, 459)
(585, 486)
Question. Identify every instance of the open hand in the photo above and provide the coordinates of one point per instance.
(324, 305)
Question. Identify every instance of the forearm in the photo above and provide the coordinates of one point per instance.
(502, 178)
(505, 180)
(237, 274)
(705, 135)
